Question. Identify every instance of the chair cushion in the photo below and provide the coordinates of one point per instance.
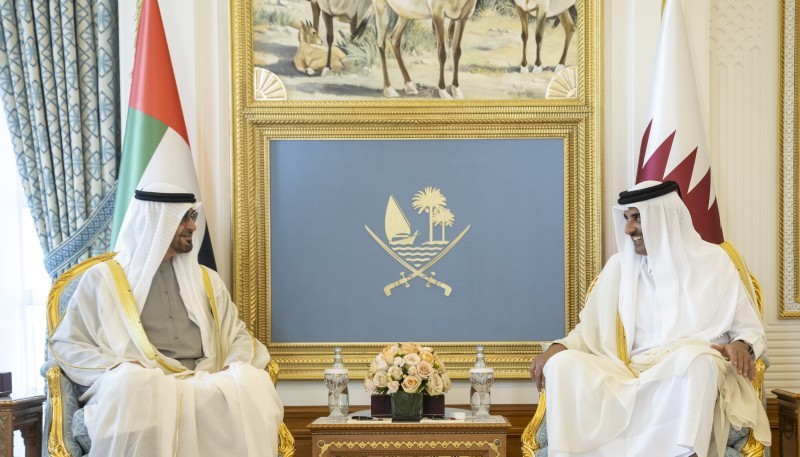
(66, 295)
(79, 431)
(737, 438)
(541, 437)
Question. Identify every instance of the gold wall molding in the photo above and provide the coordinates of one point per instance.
(789, 225)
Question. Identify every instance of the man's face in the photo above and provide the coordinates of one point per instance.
(182, 241)
(633, 228)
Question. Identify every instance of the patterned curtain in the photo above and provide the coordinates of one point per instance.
(59, 84)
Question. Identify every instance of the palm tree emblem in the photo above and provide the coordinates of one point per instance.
(429, 200)
(444, 217)
(400, 240)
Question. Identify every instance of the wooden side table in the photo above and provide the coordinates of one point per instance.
(788, 422)
(404, 439)
(23, 413)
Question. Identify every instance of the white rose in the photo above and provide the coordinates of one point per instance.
(389, 352)
(381, 365)
(395, 373)
(412, 370)
(424, 370)
(398, 361)
(435, 384)
(369, 385)
(380, 379)
(393, 386)
(411, 359)
(446, 381)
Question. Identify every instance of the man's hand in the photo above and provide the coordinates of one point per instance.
(537, 366)
(738, 352)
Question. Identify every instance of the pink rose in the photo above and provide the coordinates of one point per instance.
(424, 370)
(411, 384)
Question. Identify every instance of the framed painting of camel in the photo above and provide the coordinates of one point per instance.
(345, 50)
(343, 167)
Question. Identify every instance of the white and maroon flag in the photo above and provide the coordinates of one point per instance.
(674, 142)
(156, 146)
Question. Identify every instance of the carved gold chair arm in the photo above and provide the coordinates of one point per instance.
(286, 446)
(273, 369)
(529, 443)
(55, 439)
(753, 448)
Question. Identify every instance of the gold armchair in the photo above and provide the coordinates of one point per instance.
(740, 442)
(62, 394)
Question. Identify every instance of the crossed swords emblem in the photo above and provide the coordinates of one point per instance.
(405, 280)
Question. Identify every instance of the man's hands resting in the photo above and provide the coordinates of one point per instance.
(537, 366)
(738, 352)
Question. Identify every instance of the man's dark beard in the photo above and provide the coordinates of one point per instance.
(178, 246)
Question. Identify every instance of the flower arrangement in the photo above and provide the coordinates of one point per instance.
(407, 367)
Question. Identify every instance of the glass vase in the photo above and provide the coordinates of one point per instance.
(336, 379)
(406, 407)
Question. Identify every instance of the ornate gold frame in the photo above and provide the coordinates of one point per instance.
(255, 123)
(789, 231)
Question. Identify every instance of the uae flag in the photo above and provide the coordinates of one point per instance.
(156, 146)
(674, 141)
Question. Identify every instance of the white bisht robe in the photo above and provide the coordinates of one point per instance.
(152, 411)
(597, 406)
(674, 394)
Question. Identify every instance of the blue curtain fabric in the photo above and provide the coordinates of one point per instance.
(59, 84)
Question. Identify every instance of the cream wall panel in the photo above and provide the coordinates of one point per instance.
(743, 62)
(737, 85)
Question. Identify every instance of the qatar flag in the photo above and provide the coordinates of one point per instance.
(674, 142)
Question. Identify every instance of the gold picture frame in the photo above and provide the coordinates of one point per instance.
(789, 180)
(255, 123)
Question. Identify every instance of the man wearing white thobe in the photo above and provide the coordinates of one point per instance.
(170, 368)
(661, 361)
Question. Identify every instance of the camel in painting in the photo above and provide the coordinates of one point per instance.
(356, 13)
(544, 9)
(457, 11)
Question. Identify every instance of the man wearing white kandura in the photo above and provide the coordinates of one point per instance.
(662, 359)
(154, 336)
